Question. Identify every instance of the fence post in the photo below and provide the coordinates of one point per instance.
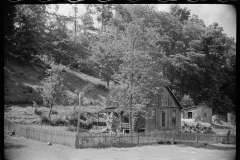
(77, 141)
(138, 139)
(197, 138)
(173, 136)
(105, 138)
(27, 132)
(181, 136)
(164, 136)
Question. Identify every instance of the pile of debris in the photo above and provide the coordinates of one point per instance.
(11, 132)
(190, 126)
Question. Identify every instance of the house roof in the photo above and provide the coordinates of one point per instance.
(186, 108)
(174, 97)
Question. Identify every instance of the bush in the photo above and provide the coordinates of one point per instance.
(54, 112)
(102, 87)
(38, 112)
(84, 66)
(45, 120)
(85, 119)
(29, 89)
(58, 121)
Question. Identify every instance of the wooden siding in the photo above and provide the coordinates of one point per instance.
(155, 122)
(197, 111)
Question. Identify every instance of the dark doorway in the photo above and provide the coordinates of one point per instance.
(163, 119)
(189, 115)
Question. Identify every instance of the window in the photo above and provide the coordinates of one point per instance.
(125, 119)
(164, 100)
(205, 115)
(163, 119)
(174, 116)
(152, 113)
(189, 115)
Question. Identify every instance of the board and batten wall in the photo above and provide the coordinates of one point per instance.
(155, 122)
(204, 114)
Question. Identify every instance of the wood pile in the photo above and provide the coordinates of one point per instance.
(190, 126)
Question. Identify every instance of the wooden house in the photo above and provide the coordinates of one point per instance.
(165, 115)
(201, 113)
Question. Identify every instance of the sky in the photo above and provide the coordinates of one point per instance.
(223, 14)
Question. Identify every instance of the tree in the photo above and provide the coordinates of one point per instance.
(106, 55)
(52, 90)
(9, 14)
(103, 11)
(29, 35)
(187, 101)
(181, 13)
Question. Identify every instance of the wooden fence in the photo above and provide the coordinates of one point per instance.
(105, 139)
(53, 136)
(99, 140)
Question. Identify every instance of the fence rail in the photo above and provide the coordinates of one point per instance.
(105, 139)
(53, 136)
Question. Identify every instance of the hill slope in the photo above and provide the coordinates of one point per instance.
(20, 83)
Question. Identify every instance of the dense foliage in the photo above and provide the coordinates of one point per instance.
(138, 47)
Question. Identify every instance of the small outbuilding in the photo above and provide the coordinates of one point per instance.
(201, 113)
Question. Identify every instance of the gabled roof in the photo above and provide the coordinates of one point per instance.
(174, 97)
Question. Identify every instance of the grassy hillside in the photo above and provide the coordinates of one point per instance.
(20, 84)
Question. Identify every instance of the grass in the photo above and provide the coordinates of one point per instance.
(28, 116)
(21, 84)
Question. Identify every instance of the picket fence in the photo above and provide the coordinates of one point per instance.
(82, 140)
(98, 140)
(53, 136)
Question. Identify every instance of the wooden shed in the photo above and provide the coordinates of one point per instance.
(166, 115)
(201, 113)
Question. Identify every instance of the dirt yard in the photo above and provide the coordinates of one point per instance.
(26, 149)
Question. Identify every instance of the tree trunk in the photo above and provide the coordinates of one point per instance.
(130, 116)
(75, 23)
(102, 26)
(78, 125)
(49, 115)
(107, 84)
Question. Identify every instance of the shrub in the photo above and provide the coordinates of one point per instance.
(54, 112)
(58, 121)
(72, 128)
(38, 112)
(85, 119)
(45, 120)
(102, 87)
(84, 66)
(29, 89)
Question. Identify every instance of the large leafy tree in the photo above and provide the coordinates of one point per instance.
(104, 13)
(29, 35)
(9, 14)
(52, 89)
(106, 56)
